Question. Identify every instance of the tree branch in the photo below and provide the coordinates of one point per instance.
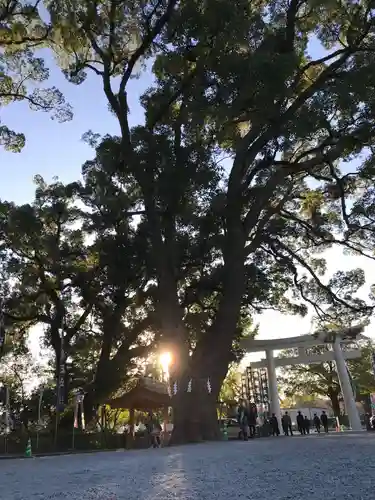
(146, 43)
(306, 266)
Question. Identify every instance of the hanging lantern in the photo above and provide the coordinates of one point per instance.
(175, 388)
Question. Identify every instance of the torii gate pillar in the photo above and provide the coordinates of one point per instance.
(272, 384)
(346, 387)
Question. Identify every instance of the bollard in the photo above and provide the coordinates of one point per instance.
(225, 432)
(28, 452)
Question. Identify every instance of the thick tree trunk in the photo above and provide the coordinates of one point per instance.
(365, 400)
(90, 408)
(194, 413)
(334, 397)
(105, 379)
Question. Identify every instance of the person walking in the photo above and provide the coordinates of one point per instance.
(252, 420)
(316, 421)
(154, 430)
(368, 422)
(301, 423)
(286, 423)
(306, 424)
(324, 420)
(274, 425)
(243, 421)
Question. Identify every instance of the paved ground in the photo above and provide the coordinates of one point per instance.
(299, 468)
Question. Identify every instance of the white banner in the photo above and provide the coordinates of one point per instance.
(7, 411)
(82, 415)
(79, 406)
(76, 414)
(2, 326)
(40, 406)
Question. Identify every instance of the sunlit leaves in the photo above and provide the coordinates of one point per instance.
(96, 35)
(22, 32)
(249, 83)
(10, 140)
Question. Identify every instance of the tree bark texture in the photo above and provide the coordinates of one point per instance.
(334, 397)
(194, 413)
(195, 417)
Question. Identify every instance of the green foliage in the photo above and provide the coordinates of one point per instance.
(231, 388)
(230, 242)
(317, 380)
(22, 33)
(217, 207)
(83, 31)
(113, 420)
(42, 251)
(361, 371)
(21, 374)
(79, 271)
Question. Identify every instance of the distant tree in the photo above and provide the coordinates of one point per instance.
(298, 400)
(48, 402)
(76, 268)
(21, 374)
(112, 419)
(43, 252)
(231, 388)
(362, 373)
(318, 380)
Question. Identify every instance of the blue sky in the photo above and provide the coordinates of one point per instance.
(54, 149)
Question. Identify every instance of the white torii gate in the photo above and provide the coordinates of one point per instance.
(302, 342)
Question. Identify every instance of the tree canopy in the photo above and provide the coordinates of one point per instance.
(254, 157)
(23, 32)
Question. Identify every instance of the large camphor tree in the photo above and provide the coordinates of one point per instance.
(241, 168)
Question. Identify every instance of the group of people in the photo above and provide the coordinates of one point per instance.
(303, 424)
(247, 420)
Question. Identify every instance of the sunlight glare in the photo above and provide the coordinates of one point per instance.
(165, 360)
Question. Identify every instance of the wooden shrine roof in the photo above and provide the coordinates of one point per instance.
(144, 393)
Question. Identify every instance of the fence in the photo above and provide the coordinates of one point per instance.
(44, 442)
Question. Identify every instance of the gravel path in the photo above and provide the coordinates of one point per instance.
(299, 468)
